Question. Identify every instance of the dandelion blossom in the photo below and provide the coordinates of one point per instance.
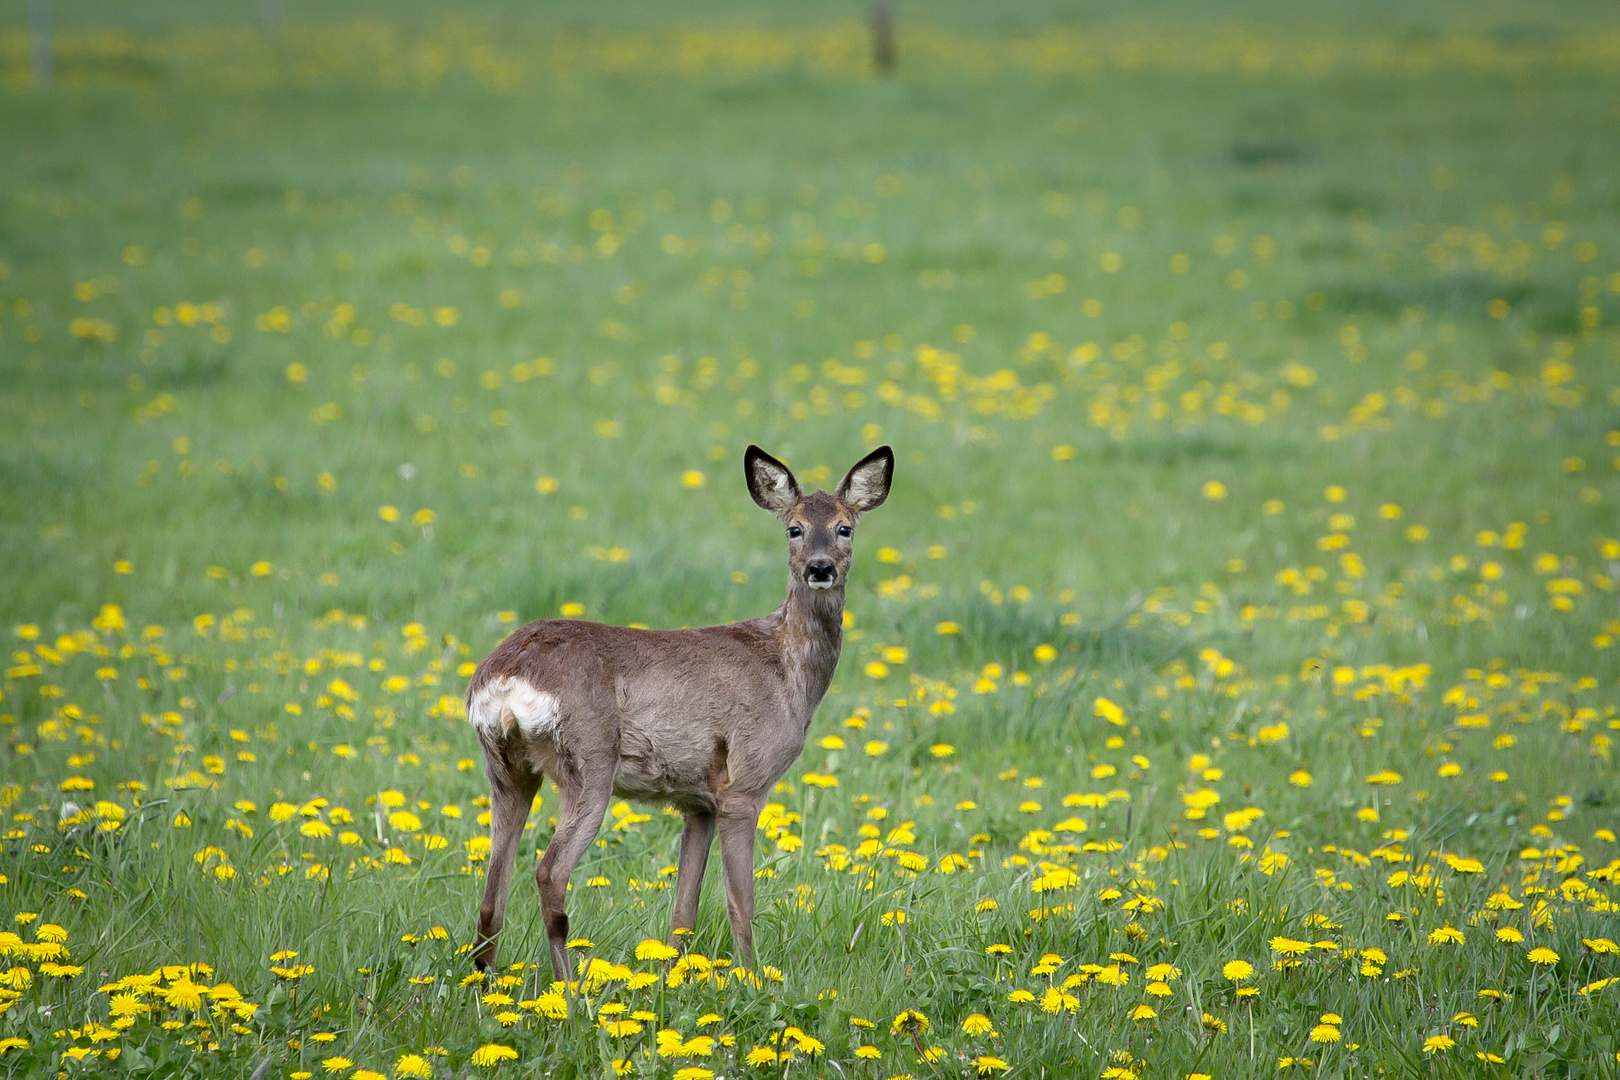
(910, 1022)
(184, 995)
(808, 1045)
(127, 1005)
(1543, 955)
(414, 1066)
(1237, 970)
(653, 949)
(493, 1054)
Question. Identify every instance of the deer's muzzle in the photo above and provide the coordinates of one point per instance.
(820, 574)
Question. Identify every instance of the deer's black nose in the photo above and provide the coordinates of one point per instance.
(820, 571)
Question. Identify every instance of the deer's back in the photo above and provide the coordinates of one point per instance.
(679, 713)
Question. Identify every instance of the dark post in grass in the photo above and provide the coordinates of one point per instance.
(882, 38)
(40, 73)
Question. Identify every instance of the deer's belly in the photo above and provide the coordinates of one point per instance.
(654, 773)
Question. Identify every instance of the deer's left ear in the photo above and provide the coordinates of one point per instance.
(866, 485)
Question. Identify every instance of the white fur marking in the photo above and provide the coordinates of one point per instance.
(507, 702)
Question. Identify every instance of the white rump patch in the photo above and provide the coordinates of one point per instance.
(507, 703)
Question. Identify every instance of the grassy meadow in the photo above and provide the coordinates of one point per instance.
(1230, 684)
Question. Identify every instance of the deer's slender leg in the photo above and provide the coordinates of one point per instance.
(696, 839)
(577, 826)
(511, 795)
(737, 823)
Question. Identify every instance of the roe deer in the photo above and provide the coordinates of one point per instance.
(706, 719)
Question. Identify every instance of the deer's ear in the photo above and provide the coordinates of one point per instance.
(770, 482)
(866, 485)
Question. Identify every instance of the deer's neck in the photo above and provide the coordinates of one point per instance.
(810, 631)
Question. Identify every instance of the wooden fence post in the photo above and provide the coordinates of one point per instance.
(41, 62)
(883, 57)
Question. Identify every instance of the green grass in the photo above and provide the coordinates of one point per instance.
(1261, 367)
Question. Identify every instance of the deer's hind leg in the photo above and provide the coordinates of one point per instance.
(512, 785)
(696, 839)
(579, 818)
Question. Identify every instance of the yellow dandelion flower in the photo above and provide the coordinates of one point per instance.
(910, 1022)
(413, 1067)
(493, 1054)
(653, 949)
(127, 1005)
(184, 995)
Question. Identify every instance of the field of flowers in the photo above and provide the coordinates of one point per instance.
(1229, 686)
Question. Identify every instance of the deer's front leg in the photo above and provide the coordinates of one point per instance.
(737, 823)
(696, 839)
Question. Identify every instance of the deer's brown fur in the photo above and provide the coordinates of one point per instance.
(706, 719)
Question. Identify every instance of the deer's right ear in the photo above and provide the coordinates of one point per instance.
(770, 482)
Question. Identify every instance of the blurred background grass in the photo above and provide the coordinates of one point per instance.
(373, 157)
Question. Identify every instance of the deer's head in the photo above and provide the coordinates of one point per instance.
(820, 527)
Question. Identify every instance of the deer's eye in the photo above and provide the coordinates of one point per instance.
(795, 532)
(845, 530)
